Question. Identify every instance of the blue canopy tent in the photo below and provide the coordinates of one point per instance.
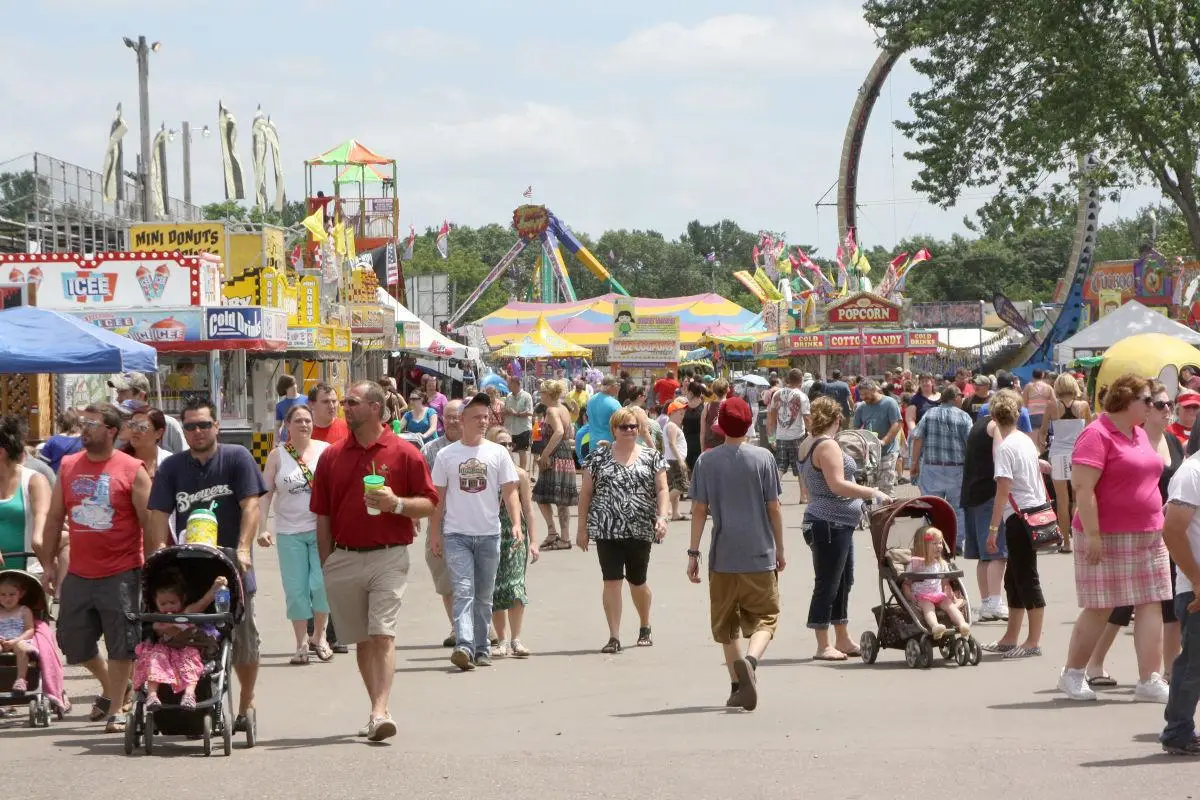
(35, 340)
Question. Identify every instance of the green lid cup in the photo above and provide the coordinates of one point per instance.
(370, 484)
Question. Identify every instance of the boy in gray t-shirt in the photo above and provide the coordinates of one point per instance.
(737, 484)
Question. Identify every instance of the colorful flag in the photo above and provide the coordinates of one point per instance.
(768, 288)
(443, 240)
(296, 257)
(711, 257)
(315, 223)
(393, 267)
(1008, 314)
(612, 257)
(903, 273)
(528, 193)
(743, 277)
(339, 238)
(408, 244)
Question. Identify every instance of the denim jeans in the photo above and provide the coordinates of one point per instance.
(472, 562)
(832, 548)
(1185, 678)
(946, 483)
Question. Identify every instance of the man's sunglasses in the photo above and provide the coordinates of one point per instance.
(92, 423)
(203, 425)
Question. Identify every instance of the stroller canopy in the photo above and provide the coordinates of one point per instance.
(939, 513)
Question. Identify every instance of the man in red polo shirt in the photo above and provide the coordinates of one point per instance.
(665, 389)
(363, 539)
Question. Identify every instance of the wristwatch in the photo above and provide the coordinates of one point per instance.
(399, 509)
(693, 553)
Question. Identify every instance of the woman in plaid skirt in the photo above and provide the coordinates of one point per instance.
(1120, 558)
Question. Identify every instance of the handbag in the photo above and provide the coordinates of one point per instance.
(1042, 523)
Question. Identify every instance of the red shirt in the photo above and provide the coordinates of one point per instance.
(335, 432)
(337, 489)
(102, 523)
(665, 389)
(1181, 433)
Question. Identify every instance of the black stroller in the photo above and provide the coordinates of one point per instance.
(900, 625)
(35, 697)
(212, 716)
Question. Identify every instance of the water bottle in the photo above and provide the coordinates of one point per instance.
(221, 600)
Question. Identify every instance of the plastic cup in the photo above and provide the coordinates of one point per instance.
(370, 484)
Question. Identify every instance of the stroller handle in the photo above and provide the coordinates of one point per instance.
(182, 619)
(25, 554)
(953, 574)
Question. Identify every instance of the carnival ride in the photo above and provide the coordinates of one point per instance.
(538, 223)
(1037, 351)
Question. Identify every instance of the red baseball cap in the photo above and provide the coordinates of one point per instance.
(733, 419)
(1188, 399)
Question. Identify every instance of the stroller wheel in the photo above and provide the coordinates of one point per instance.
(912, 653)
(868, 645)
(131, 724)
(251, 728)
(33, 713)
(962, 654)
(148, 733)
(926, 652)
(975, 651)
(206, 733)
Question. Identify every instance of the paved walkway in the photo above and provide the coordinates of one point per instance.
(648, 723)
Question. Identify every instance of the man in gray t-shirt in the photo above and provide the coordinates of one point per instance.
(880, 414)
(737, 484)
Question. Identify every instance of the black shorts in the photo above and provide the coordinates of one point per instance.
(521, 441)
(627, 559)
(1022, 584)
(93, 607)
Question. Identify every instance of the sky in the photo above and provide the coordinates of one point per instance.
(620, 114)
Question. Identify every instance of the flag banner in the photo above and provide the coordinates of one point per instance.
(743, 277)
(1009, 315)
(528, 193)
(768, 287)
(408, 244)
(158, 175)
(111, 177)
(235, 186)
(258, 147)
(339, 238)
(443, 240)
(392, 265)
(314, 223)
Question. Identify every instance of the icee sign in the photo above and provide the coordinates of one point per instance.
(234, 323)
(87, 286)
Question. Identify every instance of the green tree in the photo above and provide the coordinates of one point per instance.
(226, 210)
(1022, 89)
(22, 192)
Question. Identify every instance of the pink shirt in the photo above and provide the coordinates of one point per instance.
(1127, 496)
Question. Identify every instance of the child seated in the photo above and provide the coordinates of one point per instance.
(16, 629)
(166, 660)
(934, 593)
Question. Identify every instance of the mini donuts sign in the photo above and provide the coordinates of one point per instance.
(864, 309)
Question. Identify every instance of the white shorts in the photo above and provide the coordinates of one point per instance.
(1060, 466)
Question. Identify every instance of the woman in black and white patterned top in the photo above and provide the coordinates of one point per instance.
(623, 508)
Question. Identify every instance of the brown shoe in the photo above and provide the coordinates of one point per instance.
(747, 684)
(735, 699)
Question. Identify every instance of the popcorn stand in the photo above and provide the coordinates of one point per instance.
(174, 303)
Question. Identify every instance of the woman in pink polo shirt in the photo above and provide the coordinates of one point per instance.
(1120, 558)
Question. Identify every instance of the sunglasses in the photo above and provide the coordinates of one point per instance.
(139, 427)
(92, 423)
(628, 427)
(1163, 405)
(203, 425)
(415, 399)
(352, 402)
(1147, 399)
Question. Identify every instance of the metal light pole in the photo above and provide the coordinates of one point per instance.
(186, 132)
(143, 50)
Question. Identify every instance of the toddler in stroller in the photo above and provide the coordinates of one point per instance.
(31, 673)
(174, 659)
(934, 592)
(16, 629)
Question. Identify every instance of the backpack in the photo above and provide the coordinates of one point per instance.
(863, 446)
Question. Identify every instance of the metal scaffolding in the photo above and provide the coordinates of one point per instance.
(50, 206)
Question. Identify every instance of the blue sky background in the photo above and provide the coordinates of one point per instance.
(620, 114)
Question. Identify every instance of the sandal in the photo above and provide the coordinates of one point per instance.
(301, 656)
(501, 650)
(996, 647)
(189, 701)
(519, 650)
(19, 686)
(116, 723)
(1023, 652)
(324, 652)
(100, 708)
(1102, 680)
(556, 543)
(152, 702)
(644, 639)
(613, 646)
(681, 517)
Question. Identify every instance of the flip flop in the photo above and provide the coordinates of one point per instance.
(853, 652)
(823, 657)
(1102, 680)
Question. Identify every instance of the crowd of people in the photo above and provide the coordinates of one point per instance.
(348, 493)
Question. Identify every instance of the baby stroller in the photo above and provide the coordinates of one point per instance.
(864, 447)
(36, 694)
(901, 626)
(213, 714)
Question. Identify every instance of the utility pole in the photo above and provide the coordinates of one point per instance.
(143, 49)
(187, 163)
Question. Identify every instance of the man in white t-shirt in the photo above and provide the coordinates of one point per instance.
(787, 424)
(471, 477)
(1181, 531)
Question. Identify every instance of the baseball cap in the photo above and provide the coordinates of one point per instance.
(680, 404)
(981, 380)
(1188, 400)
(733, 418)
(130, 380)
(480, 399)
(1004, 380)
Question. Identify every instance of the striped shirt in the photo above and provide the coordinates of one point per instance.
(943, 432)
(823, 504)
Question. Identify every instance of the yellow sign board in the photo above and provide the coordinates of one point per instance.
(308, 303)
(189, 238)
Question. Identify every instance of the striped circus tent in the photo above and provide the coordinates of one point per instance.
(588, 323)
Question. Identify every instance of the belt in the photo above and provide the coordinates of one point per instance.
(939, 464)
(370, 549)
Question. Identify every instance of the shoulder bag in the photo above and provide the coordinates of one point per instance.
(1042, 523)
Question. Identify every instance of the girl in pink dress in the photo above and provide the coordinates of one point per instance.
(162, 661)
(934, 593)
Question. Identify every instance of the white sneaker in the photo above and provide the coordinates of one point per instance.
(1152, 690)
(986, 611)
(1000, 609)
(1073, 683)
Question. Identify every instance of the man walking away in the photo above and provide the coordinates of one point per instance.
(839, 390)
(881, 415)
(1181, 531)
(471, 476)
(363, 539)
(600, 409)
(437, 564)
(101, 493)
(738, 484)
(939, 448)
(787, 424)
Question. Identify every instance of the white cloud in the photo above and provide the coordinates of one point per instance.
(426, 44)
(816, 38)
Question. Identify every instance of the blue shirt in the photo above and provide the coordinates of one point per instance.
(600, 410)
(58, 446)
(943, 432)
(285, 405)
(879, 417)
(1024, 425)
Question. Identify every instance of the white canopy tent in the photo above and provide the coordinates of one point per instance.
(432, 344)
(1130, 319)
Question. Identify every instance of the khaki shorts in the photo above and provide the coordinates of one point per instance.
(245, 636)
(437, 568)
(742, 603)
(365, 590)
